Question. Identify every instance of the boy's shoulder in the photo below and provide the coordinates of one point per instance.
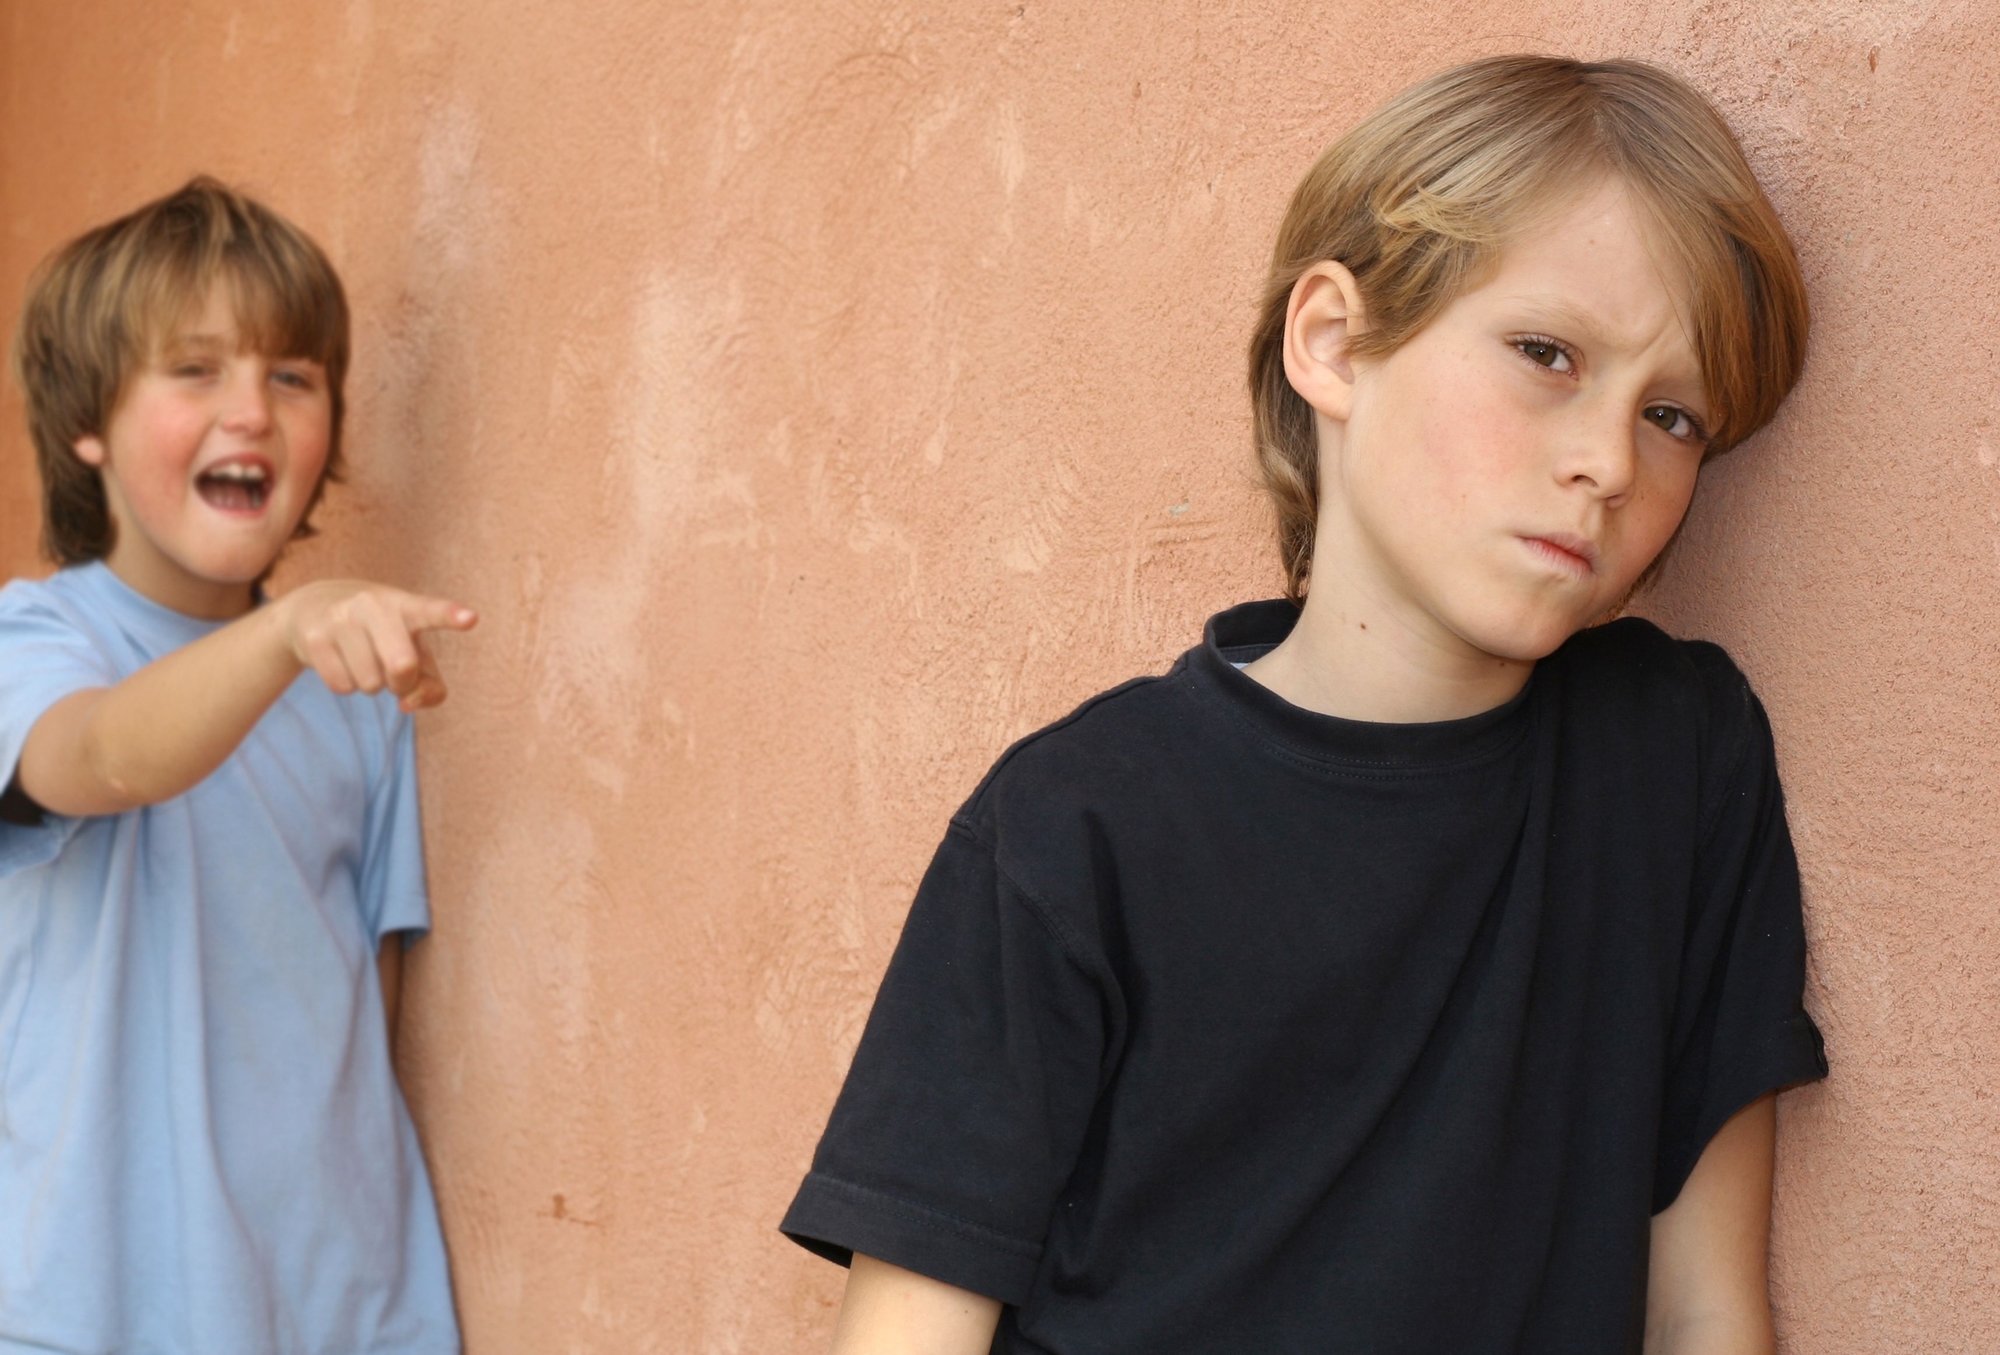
(1113, 760)
(62, 620)
(1109, 737)
(1654, 701)
(1633, 660)
(60, 596)
(1636, 640)
(88, 601)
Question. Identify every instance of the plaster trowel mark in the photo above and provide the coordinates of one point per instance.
(559, 1210)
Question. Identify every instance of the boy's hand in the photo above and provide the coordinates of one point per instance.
(367, 637)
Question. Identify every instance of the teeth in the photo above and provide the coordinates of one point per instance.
(252, 475)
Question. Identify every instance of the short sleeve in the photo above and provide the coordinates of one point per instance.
(394, 894)
(970, 1093)
(44, 657)
(1740, 1028)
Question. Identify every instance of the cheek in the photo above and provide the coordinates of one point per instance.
(1647, 524)
(1657, 509)
(1471, 441)
(308, 438)
(1445, 447)
(152, 450)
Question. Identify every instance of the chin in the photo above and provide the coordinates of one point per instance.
(234, 568)
(1527, 638)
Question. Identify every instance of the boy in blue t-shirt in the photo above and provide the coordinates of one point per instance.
(210, 851)
(1413, 966)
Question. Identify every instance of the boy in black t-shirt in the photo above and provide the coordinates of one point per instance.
(1412, 967)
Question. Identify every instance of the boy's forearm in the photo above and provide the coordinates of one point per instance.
(162, 730)
(1739, 1334)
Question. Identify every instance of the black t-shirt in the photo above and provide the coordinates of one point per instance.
(1219, 1025)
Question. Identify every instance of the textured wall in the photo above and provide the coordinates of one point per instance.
(815, 396)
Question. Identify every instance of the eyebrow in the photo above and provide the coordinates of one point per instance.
(182, 344)
(1559, 312)
(179, 342)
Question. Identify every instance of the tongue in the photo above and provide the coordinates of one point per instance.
(232, 495)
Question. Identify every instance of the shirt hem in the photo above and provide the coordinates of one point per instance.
(18, 1345)
(834, 1219)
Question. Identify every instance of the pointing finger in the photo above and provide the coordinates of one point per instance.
(428, 613)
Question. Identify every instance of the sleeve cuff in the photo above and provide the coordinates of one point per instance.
(835, 1218)
(23, 847)
(410, 915)
(1794, 1054)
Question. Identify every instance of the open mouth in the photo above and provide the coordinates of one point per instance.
(234, 486)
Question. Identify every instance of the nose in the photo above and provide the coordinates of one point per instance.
(246, 406)
(1601, 455)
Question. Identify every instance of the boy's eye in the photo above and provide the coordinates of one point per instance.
(1545, 353)
(192, 369)
(296, 379)
(1675, 422)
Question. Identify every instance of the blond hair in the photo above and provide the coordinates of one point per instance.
(1419, 199)
(103, 304)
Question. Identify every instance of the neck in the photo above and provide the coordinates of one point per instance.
(160, 580)
(1356, 655)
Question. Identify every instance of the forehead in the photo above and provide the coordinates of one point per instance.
(1598, 262)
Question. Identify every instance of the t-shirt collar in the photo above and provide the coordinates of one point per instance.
(1251, 630)
(156, 628)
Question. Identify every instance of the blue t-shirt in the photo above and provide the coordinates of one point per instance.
(203, 1150)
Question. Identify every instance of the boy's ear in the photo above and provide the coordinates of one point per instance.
(1324, 313)
(90, 451)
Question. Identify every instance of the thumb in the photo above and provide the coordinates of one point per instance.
(430, 688)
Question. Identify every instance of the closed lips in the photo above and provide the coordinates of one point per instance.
(1568, 551)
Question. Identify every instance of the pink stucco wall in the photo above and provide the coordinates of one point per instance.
(815, 396)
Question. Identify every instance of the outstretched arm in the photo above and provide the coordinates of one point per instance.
(162, 730)
(1708, 1287)
(892, 1311)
